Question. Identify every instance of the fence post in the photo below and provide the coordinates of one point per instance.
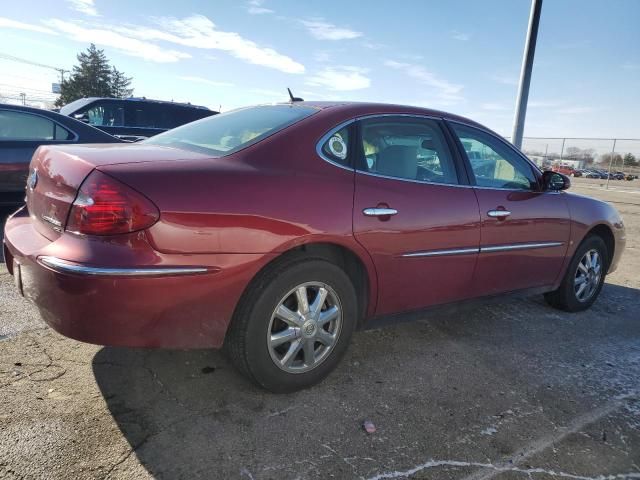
(613, 152)
(562, 150)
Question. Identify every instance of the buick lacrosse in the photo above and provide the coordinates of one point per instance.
(275, 231)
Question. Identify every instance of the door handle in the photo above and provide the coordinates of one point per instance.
(379, 212)
(498, 213)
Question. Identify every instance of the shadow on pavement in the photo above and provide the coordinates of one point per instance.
(432, 388)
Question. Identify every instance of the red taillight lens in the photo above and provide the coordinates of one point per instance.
(104, 206)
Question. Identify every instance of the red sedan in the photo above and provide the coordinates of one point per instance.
(276, 231)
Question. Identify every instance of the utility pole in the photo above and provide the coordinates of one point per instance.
(613, 152)
(525, 73)
(23, 96)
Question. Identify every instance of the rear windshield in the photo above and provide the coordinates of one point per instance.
(227, 133)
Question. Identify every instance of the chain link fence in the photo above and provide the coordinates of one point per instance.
(608, 154)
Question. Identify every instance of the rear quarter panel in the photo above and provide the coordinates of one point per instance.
(267, 199)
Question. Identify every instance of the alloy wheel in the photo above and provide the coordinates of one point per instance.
(304, 327)
(588, 275)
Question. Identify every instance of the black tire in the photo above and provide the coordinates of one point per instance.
(564, 298)
(246, 341)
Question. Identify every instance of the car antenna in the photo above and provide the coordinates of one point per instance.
(294, 99)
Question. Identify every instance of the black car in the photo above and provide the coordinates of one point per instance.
(134, 118)
(22, 130)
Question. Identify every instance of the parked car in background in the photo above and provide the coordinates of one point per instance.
(22, 130)
(592, 174)
(564, 169)
(279, 229)
(134, 119)
(578, 173)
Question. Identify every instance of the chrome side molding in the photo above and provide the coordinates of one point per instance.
(519, 246)
(488, 249)
(64, 266)
(438, 253)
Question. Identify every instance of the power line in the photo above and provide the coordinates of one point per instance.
(13, 58)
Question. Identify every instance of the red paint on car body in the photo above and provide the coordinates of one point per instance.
(230, 216)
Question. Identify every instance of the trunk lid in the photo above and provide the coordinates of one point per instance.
(56, 173)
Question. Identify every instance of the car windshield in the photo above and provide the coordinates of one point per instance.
(227, 133)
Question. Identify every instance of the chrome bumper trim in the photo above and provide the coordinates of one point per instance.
(64, 266)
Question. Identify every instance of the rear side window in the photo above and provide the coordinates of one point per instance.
(25, 126)
(407, 148)
(227, 133)
(105, 114)
(336, 147)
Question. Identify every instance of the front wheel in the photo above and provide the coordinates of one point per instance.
(584, 278)
(293, 324)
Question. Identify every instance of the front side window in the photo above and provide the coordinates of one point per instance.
(24, 126)
(105, 114)
(407, 148)
(229, 132)
(494, 164)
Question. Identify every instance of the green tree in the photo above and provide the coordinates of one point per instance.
(93, 76)
(630, 160)
(120, 84)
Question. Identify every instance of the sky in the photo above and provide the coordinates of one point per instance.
(461, 56)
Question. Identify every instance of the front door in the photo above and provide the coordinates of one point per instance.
(412, 214)
(524, 230)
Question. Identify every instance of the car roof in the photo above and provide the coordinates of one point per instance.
(373, 108)
(81, 102)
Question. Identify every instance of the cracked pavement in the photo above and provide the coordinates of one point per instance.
(512, 390)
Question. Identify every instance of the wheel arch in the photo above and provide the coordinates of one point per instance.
(605, 232)
(360, 271)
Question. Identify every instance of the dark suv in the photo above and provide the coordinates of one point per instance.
(134, 118)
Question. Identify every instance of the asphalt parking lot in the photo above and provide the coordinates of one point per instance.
(515, 390)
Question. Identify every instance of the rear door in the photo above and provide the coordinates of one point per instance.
(413, 213)
(525, 231)
(20, 134)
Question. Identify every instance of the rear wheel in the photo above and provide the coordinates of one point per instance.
(293, 324)
(584, 278)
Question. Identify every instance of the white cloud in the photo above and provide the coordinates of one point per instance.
(323, 30)
(109, 38)
(254, 7)
(462, 36)
(373, 45)
(447, 93)
(197, 31)
(206, 81)
(84, 6)
(340, 78)
(8, 23)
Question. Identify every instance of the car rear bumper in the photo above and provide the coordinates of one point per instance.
(135, 296)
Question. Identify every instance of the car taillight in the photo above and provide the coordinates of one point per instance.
(104, 206)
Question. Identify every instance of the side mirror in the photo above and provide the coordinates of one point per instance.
(554, 181)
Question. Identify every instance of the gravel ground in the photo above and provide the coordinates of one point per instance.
(514, 390)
